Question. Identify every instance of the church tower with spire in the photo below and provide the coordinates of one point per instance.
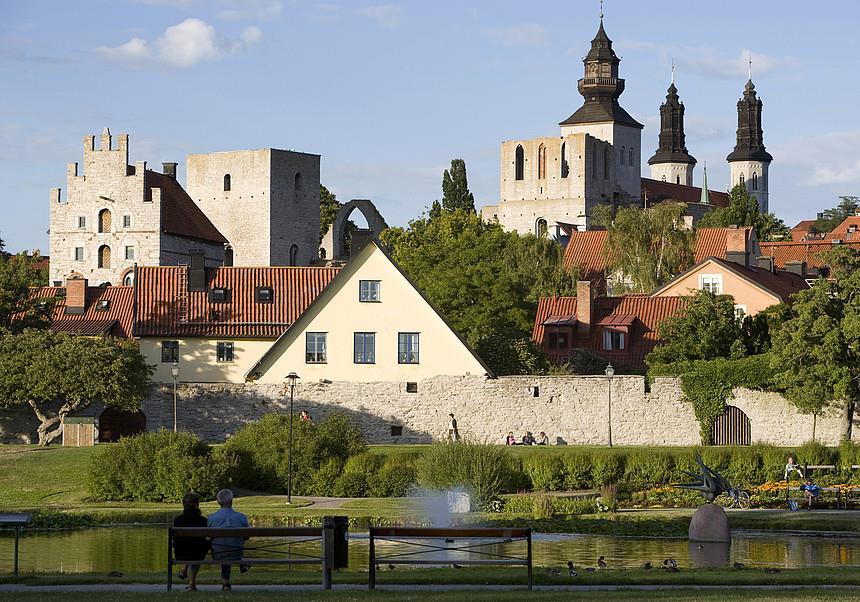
(672, 162)
(602, 117)
(749, 161)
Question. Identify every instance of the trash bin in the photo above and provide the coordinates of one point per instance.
(340, 526)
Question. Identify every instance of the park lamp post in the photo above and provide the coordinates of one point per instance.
(610, 372)
(292, 377)
(174, 371)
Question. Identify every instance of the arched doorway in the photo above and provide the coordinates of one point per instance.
(732, 428)
(114, 423)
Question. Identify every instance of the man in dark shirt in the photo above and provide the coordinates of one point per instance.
(190, 548)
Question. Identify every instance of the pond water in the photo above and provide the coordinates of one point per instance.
(144, 549)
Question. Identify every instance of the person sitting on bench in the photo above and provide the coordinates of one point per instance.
(227, 548)
(190, 549)
(810, 492)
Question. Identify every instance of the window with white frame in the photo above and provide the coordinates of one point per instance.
(169, 352)
(225, 351)
(713, 283)
(365, 347)
(407, 347)
(368, 291)
(126, 221)
(79, 253)
(740, 312)
(315, 347)
(613, 340)
(82, 221)
(129, 253)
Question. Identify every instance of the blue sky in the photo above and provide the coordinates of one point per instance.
(388, 93)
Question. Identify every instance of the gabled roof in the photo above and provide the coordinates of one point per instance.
(781, 284)
(649, 313)
(809, 251)
(849, 229)
(179, 214)
(345, 273)
(657, 190)
(115, 320)
(162, 294)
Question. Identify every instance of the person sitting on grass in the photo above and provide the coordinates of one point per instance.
(190, 548)
(510, 439)
(810, 492)
(542, 439)
(227, 548)
(528, 438)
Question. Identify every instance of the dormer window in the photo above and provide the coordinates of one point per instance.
(103, 305)
(264, 294)
(613, 340)
(219, 295)
(558, 340)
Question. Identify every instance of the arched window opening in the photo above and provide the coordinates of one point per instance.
(228, 256)
(322, 253)
(755, 181)
(128, 280)
(104, 220)
(298, 182)
(104, 256)
(519, 163)
(226, 182)
(664, 177)
(541, 162)
(622, 157)
(632, 158)
(540, 228)
(742, 179)
(677, 179)
(294, 255)
(565, 167)
(605, 162)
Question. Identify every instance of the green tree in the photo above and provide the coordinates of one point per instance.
(57, 373)
(20, 308)
(830, 218)
(455, 188)
(329, 206)
(707, 329)
(484, 280)
(816, 353)
(646, 247)
(743, 210)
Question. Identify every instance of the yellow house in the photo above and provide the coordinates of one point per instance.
(753, 288)
(370, 324)
(363, 322)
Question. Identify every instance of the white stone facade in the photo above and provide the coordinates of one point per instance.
(271, 207)
(753, 175)
(675, 173)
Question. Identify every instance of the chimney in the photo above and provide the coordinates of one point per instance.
(169, 169)
(584, 301)
(76, 296)
(197, 271)
(736, 245)
(796, 267)
(360, 238)
(767, 263)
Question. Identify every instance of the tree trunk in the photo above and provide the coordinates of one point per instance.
(47, 436)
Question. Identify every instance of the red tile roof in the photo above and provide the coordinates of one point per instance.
(848, 230)
(809, 251)
(179, 214)
(115, 320)
(159, 301)
(801, 230)
(658, 190)
(649, 313)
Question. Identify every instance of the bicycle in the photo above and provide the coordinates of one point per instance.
(734, 498)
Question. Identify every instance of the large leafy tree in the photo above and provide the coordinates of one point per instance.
(743, 210)
(830, 218)
(484, 280)
(816, 353)
(455, 188)
(20, 308)
(646, 248)
(57, 373)
(329, 206)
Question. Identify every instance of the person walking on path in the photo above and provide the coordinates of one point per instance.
(227, 548)
(453, 433)
(190, 548)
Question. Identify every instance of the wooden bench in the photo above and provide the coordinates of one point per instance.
(407, 535)
(277, 552)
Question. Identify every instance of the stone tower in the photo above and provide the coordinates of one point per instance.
(603, 118)
(749, 162)
(266, 202)
(672, 162)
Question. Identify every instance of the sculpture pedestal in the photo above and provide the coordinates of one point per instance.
(709, 537)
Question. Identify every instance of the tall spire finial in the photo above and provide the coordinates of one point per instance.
(673, 71)
(750, 67)
(601, 10)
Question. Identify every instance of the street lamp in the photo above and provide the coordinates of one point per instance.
(174, 370)
(292, 377)
(610, 372)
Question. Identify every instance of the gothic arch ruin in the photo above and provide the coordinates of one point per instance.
(332, 243)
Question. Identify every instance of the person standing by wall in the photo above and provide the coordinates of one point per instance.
(227, 548)
(453, 433)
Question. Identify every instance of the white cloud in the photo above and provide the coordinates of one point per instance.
(182, 45)
(240, 10)
(832, 158)
(387, 15)
(521, 34)
(705, 60)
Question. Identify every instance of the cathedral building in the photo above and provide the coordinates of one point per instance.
(549, 185)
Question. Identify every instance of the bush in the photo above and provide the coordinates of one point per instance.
(813, 452)
(396, 477)
(577, 469)
(324, 479)
(542, 507)
(607, 469)
(483, 469)
(158, 467)
(546, 472)
(646, 468)
(262, 449)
